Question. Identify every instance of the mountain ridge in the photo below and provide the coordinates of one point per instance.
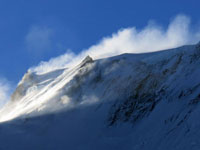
(130, 101)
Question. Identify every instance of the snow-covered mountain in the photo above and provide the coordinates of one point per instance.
(133, 101)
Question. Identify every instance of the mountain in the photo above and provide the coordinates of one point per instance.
(144, 101)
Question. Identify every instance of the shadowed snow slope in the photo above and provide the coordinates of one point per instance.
(131, 101)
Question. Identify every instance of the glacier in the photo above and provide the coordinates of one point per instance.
(147, 101)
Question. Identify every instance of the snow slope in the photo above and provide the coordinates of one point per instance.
(133, 101)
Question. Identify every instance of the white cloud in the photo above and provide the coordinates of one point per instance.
(38, 39)
(131, 40)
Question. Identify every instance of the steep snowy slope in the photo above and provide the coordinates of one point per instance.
(132, 101)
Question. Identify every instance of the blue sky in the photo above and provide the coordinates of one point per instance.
(36, 30)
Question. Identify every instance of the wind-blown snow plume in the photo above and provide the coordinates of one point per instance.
(55, 63)
(5, 90)
(130, 40)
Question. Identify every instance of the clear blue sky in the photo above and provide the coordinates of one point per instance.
(73, 24)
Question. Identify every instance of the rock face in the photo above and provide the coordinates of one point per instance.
(27, 82)
(87, 59)
(132, 101)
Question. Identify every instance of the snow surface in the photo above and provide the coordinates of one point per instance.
(144, 101)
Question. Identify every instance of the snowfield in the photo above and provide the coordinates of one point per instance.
(144, 101)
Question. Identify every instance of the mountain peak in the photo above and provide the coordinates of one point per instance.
(87, 59)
